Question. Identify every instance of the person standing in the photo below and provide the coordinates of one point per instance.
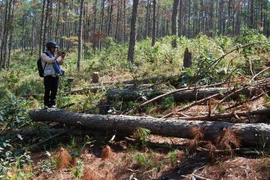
(51, 62)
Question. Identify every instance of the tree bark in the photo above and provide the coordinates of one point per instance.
(249, 134)
(154, 24)
(80, 36)
(45, 24)
(180, 18)
(4, 41)
(174, 22)
(132, 40)
(147, 19)
(110, 13)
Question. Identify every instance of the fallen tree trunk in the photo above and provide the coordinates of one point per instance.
(250, 134)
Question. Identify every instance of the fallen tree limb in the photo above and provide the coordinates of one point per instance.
(248, 100)
(250, 92)
(190, 105)
(233, 94)
(250, 134)
(169, 93)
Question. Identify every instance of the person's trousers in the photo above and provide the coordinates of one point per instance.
(51, 87)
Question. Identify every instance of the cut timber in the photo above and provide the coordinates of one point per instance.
(250, 134)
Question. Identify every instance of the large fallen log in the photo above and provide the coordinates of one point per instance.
(250, 134)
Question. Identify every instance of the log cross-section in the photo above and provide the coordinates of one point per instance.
(250, 134)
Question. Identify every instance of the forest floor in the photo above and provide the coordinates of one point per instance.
(154, 162)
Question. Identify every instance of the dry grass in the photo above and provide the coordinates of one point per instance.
(198, 134)
(238, 168)
(227, 139)
(89, 174)
(64, 158)
(212, 150)
(92, 174)
(264, 167)
(107, 153)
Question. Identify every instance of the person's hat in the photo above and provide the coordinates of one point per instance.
(51, 44)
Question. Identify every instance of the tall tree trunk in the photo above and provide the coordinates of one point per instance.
(174, 22)
(45, 24)
(147, 19)
(132, 40)
(158, 22)
(109, 30)
(251, 13)
(238, 22)
(229, 18)
(80, 44)
(4, 38)
(11, 31)
(33, 36)
(101, 23)
(266, 29)
(94, 31)
(50, 22)
(180, 19)
(189, 19)
(154, 24)
(23, 33)
(201, 22)
(117, 28)
(57, 24)
(211, 21)
(8, 26)
(124, 21)
(63, 24)
(233, 19)
(121, 27)
(196, 22)
(221, 17)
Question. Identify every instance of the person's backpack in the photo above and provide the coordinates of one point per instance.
(40, 67)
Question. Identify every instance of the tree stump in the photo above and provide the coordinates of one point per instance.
(187, 59)
(95, 77)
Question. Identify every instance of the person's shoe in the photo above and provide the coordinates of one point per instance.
(46, 107)
(53, 106)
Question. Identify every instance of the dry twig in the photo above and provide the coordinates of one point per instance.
(169, 93)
